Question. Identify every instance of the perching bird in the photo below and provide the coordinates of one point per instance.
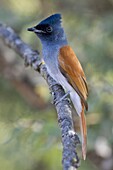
(64, 67)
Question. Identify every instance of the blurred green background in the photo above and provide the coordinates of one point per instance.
(29, 134)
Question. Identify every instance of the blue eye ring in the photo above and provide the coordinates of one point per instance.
(49, 29)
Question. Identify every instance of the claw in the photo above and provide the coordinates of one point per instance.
(63, 98)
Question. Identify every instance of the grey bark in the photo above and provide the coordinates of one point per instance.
(70, 139)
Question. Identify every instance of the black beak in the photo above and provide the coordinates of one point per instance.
(31, 29)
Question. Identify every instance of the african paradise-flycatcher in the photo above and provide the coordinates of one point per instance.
(64, 67)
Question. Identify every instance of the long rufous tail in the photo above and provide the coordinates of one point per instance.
(83, 132)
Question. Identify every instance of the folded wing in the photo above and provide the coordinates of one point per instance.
(71, 68)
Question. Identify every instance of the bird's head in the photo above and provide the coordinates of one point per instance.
(50, 29)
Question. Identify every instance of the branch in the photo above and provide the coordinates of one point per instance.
(70, 139)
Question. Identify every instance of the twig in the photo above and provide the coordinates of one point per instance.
(70, 139)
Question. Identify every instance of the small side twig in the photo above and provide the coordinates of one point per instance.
(70, 139)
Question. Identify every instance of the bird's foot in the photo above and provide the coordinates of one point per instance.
(53, 84)
(63, 98)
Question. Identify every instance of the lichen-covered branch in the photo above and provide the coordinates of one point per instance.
(70, 139)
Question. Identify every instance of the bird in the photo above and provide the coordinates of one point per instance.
(64, 67)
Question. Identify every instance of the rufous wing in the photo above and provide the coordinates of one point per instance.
(71, 68)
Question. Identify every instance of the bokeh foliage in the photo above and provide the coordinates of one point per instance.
(30, 138)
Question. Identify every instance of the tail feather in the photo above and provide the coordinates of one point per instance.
(83, 132)
(79, 107)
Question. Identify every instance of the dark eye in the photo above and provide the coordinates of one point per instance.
(49, 29)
